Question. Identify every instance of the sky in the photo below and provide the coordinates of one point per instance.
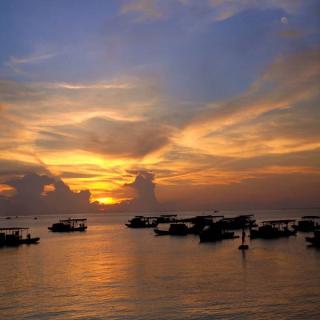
(159, 104)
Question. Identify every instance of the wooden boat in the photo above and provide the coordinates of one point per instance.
(273, 229)
(315, 240)
(308, 224)
(238, 222)
(14, 236)
(166, 218)
(175, 229)
(142, 222)
(69, 225)
(199, 222)
(216, 232)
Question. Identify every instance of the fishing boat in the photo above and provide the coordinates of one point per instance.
(199, 222)
(166, 218)
(14, 236)
(238, 222)
(273, 229)
(315, 240)
(216, 232)
(308, 224)
(142, 222)
(175, 229)
(69, 225)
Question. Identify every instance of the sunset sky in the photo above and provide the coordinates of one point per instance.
(217, 99)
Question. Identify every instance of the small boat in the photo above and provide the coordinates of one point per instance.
(175, 229)
(273, 229)
(14, 236)
(308, 224)
(166, 218)
(199, 222)
(216, 232)
(238, 222)
(69, 225)
(142, 222)
(315, 240)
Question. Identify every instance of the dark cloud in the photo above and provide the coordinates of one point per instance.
(144, 194)
(30, 198)
(105, 136)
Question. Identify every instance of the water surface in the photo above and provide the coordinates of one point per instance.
(112, 272)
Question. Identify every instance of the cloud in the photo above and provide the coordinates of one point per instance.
(219, 9)
(288, 85)
(30, 198)
(106, 136)
(144, 198)
(145, 9)
(15, 63)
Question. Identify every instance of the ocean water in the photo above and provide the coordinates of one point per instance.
(112, 272)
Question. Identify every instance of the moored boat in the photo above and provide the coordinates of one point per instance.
(14, 236)
(308, 224)
(273, 229)
(142, 222)
(69, 225)
(216, 232)
(175, 229)
(315, 240)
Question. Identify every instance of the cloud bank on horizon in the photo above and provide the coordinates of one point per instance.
(196, 104)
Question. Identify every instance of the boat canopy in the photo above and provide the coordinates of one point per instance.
(13, 229)
(168, 215)
(284, 221)
(73, 220)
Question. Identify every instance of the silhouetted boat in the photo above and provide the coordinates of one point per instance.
(175, 229)
(216, 232)
(199, 222)
(273, 229)
(13, 236)
(239, 222)
(315, 240)
(142, 222)
(166, 218)
(69, 225)
(307, 224)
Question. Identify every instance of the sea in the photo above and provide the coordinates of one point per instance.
(113, 272)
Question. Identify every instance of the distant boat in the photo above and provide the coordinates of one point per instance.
(142, 222)
(216, 232)
(315, 240)
(273, 229)
(308, 224)
(175, 229)
(238, 222)
(13, 236)
(166, 218)
(69, 225)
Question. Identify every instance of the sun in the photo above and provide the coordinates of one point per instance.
(106, 200)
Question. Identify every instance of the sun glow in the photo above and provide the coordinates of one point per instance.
(106, 200)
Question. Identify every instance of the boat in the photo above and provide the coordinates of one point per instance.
(69, 225)
(166, 218)
(175, 229)
(199, 222)
(142, 222)
(239, 222)
(308, 224)
(216, 232)
(315, 240)
(14, 236)
(273, 229)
